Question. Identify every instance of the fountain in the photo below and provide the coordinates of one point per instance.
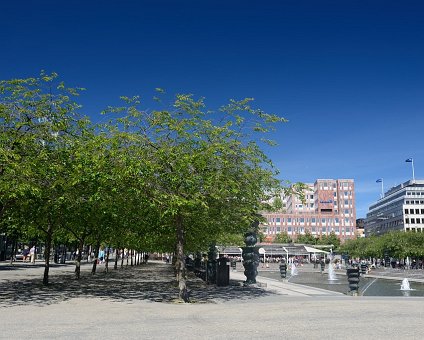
(294, 270)
(405, 285)
(331, 273)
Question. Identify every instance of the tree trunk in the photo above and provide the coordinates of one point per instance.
(47, 249)
(180, 264)
(78, 263)
(107, 261)
(96, 258)
(116, 259)
(132, 254)
(122, 258)
(13, 252)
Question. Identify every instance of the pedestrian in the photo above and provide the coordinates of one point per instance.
(101, 256)
(32, 254)
(25, 254)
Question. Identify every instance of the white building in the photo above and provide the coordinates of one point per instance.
(401, 208)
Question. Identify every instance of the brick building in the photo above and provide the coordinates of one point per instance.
(329, 206)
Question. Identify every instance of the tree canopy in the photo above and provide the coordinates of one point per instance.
(168, 179)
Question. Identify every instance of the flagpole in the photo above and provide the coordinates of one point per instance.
(411, 160)
(413, 173)
(380, 180)
(382, 190)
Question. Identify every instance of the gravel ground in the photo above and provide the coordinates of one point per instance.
(139, 302)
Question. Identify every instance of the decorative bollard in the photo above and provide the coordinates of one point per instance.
(250, 258)
(283, 270)
(353, 279)
(322, 266)
(364, 268)
(211, 265)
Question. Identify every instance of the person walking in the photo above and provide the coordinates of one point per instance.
(25, 254)
(32, 254)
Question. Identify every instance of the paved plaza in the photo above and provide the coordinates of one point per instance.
(139, 302)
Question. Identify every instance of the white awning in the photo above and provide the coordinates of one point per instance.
(314, 250)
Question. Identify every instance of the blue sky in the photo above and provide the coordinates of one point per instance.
(348, 75)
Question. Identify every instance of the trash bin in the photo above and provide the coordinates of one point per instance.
(222, 272)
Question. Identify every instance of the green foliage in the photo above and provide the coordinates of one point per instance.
(330, 239)
(398, 244)
(282, 238)
(182, 177)
(307, 238)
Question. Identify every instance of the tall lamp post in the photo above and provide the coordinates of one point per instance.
(411, 160)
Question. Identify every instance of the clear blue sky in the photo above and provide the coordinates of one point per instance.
(348, 75)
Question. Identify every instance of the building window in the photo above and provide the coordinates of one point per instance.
(406, 211)
(406, 220)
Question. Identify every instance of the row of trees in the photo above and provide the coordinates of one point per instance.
(173, 179)
(395, 244)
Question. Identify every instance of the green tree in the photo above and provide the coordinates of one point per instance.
(282, 238)
(330, 239)
(306, 238)
(207, 176)
(38, 120)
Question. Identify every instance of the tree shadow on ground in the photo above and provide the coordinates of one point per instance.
(152, 282)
